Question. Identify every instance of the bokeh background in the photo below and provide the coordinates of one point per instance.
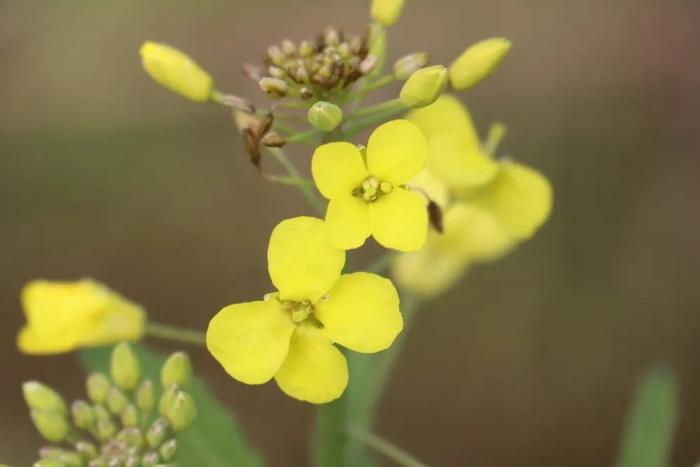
(528, 362)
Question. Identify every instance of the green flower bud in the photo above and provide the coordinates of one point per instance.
(181, 412)
(325, 116)
(85, 449)
(176, 71)
(71, 459)
(424, 86)
(151, 458)
(84, 416)
(177, 369)
(101, 413)
(106, 429)
(51, 425)
(97, 387)
(478, 62)
(168, 450)
(145, 397)
(386, 12)
(409, 64)
(49, 463)
(132, 436)
(166, 400)
(125, 368)
(157, 433)
(116, 401)
(130, 416)
(41, 397)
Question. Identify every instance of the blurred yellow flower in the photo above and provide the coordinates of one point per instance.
(366, 190)
(176, 71)
(386, 12)
(289, 335)
(488, 206)
(63, 316)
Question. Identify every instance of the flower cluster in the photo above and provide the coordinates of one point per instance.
(122, 423)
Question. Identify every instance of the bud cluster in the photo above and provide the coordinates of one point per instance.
(122, 423)
(315, 68)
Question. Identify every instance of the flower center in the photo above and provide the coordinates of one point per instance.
(372, 189)
(300, 311)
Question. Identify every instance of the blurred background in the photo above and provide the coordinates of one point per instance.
(530, 361)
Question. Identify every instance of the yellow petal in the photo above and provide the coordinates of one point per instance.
(396, 151)
(474, 233)
(338, 168)
(33, 342)
(361, 312)
(314, 371)
(302, 262)
(399, 220)
(347, 219)
(520, 198)
(431, 186)
(250, 340)
(446, 115)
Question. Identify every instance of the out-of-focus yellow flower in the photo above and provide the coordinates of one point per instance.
(478, 62)
(386, 12)
(424, 86)
(176, 71)
(366, 191)
(63, 316)
(290, 334)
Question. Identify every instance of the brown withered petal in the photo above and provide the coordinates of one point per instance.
(264, 126)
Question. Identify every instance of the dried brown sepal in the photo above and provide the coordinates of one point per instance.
(435, 216)
(252, 146)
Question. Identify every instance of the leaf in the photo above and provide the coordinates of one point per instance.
(651, 421)
(214, 440)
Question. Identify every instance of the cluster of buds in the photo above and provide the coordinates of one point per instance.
(122, 423)
(314, 68)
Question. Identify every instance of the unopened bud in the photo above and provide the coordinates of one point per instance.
(106, 429)
(276, 56)
(48, 463)
(97, 387)
(274, 87)
(424, 86)
(409, 64)
(84, 416)
(151, 459)
(288, 47)
(145, 397)
(166, 400)
(130, 416)
(38, 396)
(478, 62)
(273, 140)
(51, 425)
(176, 71)
(177, 369)
(71, 459)
(368, 65)
(332, 37)
(306, 93)
(116, 401)
(386, 12)
(181, 412)
(306, 48)
(125, 368)
(157, 433)
(325, 116)
(86, 449)
(168, 450)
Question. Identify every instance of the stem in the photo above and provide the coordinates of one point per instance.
(381, 263)
(377, 108)
(380, 82)
(307, 189)
(173, 333)
(497, 131)
(307, 137)
(385, 447)
(290, 181)
(373, 120)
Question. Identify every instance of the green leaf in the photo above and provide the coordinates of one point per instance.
(651, 421)
(215, 439)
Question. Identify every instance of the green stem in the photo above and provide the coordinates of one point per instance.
(379, 108)
(385, 447)
(173, 333)
(357, 127)
(308, 137)
(307, 189)
(380, 82)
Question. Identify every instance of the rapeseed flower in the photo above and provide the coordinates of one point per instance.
(64, 316)
(367, 191)
(290, 335)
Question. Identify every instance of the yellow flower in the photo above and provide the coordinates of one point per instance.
(63, 316)
(478, 62)
(176, 71)
(386, 12)
(289, 335)
(366, 191)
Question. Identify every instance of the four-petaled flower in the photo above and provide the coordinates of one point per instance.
(290, 334)
(366, 188)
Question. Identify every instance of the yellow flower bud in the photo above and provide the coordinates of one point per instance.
(478, 62)
(386, 12)
(64, 316)
(125, 368)
(424, 86)
(325, 116)
(176, 71)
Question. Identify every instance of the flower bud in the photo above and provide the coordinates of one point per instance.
(478, 62)
(177, 369)
(86, 449)
(274, 87)
(167, 398)
(130, 416)
(386, 12)
(106, 429)
(51, 425)
(273, 140)
(409, 64)
(325, 116)
(145, 397)
(176, 71)
(168, 450)
(424, 86)
(97, 387)
(83, 415)
(157, 433)
(151, 459)
(125, 367)
(181, 412)
(116, 401)
(49, 463)
(41, 397)
(71, 459)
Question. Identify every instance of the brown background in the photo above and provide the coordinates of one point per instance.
(529, 362)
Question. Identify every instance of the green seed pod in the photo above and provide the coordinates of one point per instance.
(97, 387)
(424, 86)
(145, 397)
(125, 368)
(84, 416)
(41, 397)
(325, 116)
(177, 369)
(116, 401)
(51, 425)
